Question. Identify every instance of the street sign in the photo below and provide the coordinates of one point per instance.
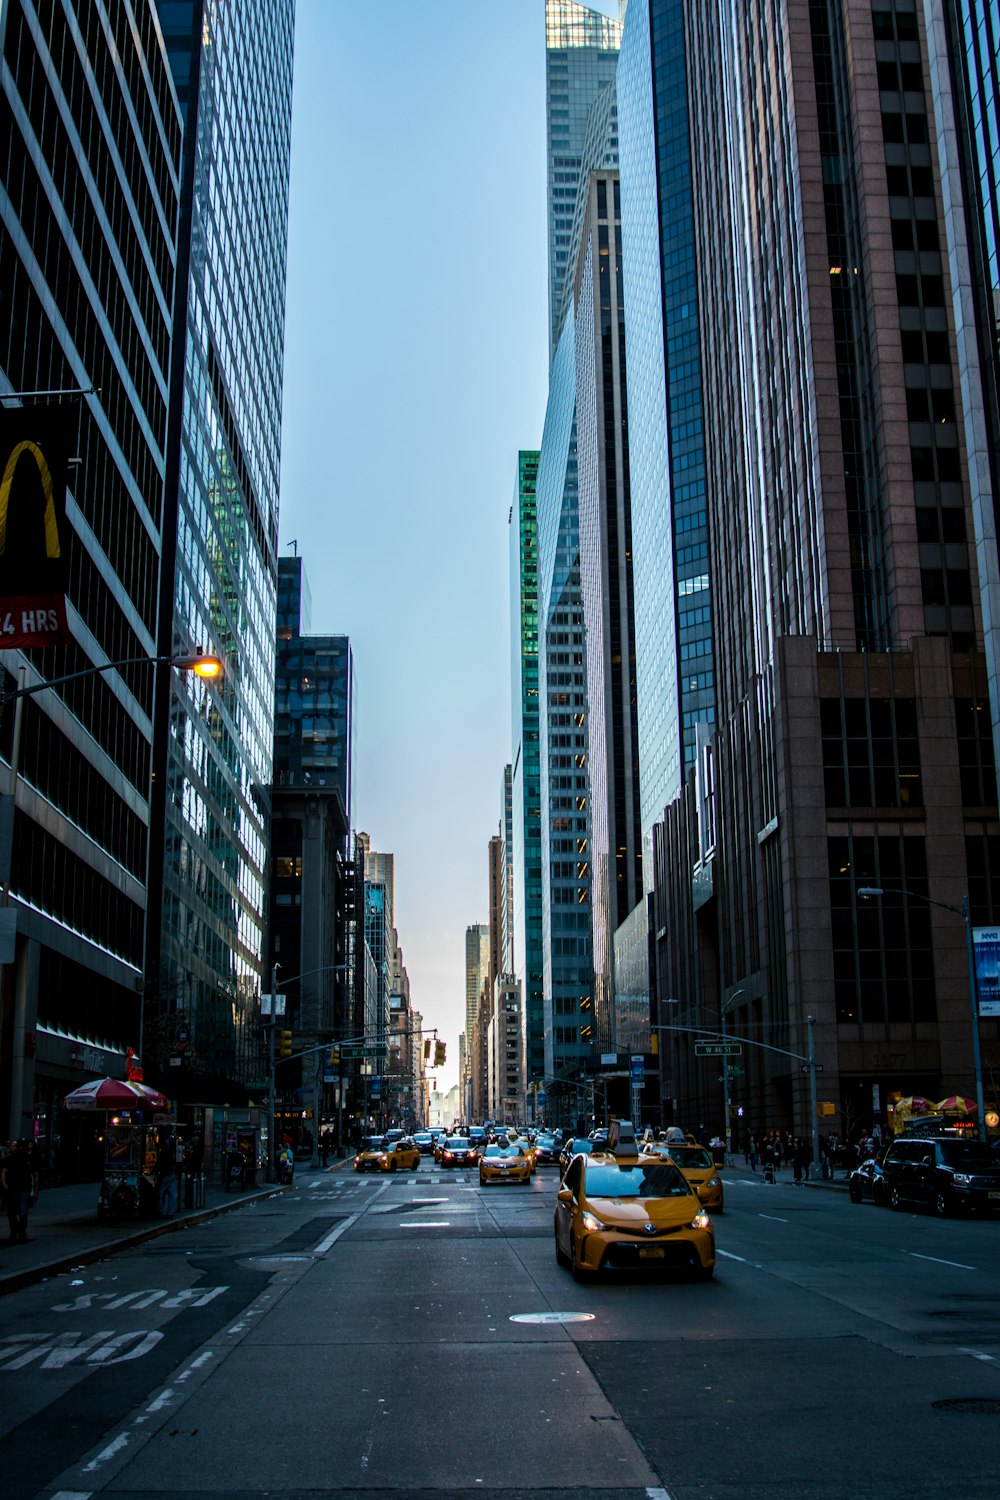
(736, 1071)
(182, 1038)
(363, 1051)
(638, 1069)
(272, 1005)
(718, 1049)
(805, 1067)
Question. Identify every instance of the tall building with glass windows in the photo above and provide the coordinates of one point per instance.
(525, 775)
(675, 677)
(233, 70)
(570, 1032)
(90, 166)
(963, 43)
(581, 50)
(809, 883)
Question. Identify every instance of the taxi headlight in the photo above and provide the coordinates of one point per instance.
(591, 1223)
(701, 1221)
(712, 1182)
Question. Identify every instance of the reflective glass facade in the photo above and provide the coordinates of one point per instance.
(581, 49)
(90, 161)
(526, 835)
(223, 458)
(565, 818)
(673, 612)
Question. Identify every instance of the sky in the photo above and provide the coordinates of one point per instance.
(416, 362)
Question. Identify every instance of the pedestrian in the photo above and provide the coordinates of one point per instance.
(324, 1142)
(752, 1152)
(166, 1178)
(19, 1176)
(767, 1159)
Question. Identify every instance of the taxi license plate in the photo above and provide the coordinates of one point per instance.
(654, 1254)
(503, 1171)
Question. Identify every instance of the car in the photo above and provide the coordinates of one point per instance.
(424, 1142)
(546, 1151)
(395, 1134)
(571, 1148)
(698, 1167)
(617, 1212)
(458, 1151)
(366, 1158)
(390, 1156)
(943, 1174)
(868, 1181)
(477, 1135)
(504, 1163)
(528, 1147)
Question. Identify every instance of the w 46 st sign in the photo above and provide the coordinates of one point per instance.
(718, 1049)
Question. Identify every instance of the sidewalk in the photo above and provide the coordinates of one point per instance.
(64, 1231)
(835, 1184)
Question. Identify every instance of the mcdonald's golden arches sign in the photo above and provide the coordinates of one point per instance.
(33, 529)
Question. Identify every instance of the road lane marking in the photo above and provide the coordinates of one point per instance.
(654, 1493)
(773, 1217)
(988, 1358)
(334, 1235)
(939, 1262)
(730, 1256)
(425, 1224)
(72, 1495)
(108, 1453)
(195, 1364)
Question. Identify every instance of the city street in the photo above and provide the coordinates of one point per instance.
(366, 1335)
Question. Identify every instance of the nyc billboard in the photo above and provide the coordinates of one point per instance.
(33, 528)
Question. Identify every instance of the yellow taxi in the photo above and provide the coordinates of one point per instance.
(619, 1211)
(504, 1162)
(528, 1147)
(440, 1142)
(697, 1166)
(377, 1156)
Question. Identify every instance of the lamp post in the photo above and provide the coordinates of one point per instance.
(721, 1015)
(867, 892)
(202, 664)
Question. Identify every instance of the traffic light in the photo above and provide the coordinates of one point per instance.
(333, 1056)
(427, 1050)
(284, 1044)
(439, 1054)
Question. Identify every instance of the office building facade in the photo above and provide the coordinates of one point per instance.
(233, 71)
(90, 170)
(853, 752)
(526, 827)
(675, 678)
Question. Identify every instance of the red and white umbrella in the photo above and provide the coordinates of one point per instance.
(114, 1093)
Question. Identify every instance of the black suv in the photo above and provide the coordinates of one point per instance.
(946, 1175)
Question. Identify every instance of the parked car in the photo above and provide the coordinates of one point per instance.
(946, 1175)
(867, 1181)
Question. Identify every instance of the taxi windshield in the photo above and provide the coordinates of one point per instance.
(690, 1156)
(639, 1180)
(506, 1151)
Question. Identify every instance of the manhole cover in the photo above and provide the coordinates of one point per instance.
(552, 1317)
(980, 1406)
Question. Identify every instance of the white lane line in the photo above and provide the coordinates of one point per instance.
(72, 1495)
(730, 1256)
(425, 1223)
(335, 1234)
(988, 1358)
(195, 1364)
(773, 1217)
(108, 1453)
(654, 1493)
(162, 1400)
(938, 1261)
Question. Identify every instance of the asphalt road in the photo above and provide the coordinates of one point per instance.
(364, 1337)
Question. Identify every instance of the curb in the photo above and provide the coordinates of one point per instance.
(106, 1248)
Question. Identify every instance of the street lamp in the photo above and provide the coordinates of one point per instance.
(721, 1015)
(202, 664)
(272, 1094)
(867, 892)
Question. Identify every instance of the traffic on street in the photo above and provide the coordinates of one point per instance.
(418, 1331)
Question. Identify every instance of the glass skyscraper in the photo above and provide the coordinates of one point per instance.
(233, 69)
(581, 50)
(673, 610)
(526, 827)
(90, 163)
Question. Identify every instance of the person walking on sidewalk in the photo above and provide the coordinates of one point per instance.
(20, 1185)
